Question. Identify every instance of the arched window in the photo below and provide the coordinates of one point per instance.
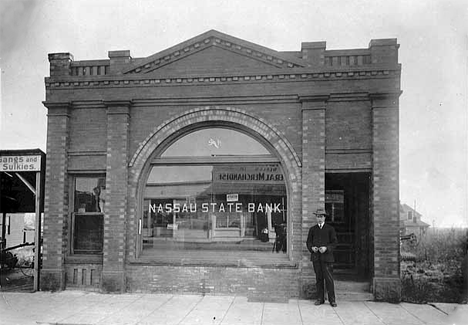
(215, 189)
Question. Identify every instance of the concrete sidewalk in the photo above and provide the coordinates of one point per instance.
(77, 307)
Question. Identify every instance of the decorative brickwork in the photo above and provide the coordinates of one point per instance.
(123, 81)
(55, 236)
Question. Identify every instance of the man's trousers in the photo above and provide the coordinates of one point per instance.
(324, 275)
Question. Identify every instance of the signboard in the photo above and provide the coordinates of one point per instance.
(260, 174)
(20, 163)
(232, 197)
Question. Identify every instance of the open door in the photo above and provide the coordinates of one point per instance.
(347, 203)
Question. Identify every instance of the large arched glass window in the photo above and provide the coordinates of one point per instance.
(218, 190)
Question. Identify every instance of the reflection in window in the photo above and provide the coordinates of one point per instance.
(233, 206)
(215, 190)
(88, 207)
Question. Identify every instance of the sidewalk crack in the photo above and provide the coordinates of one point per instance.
(433, 305)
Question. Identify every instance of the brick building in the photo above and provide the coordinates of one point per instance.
(197, 169)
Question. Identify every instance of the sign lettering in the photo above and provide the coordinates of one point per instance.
(20, 163)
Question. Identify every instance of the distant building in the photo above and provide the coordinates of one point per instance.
(173, 172)
(410, 222)
(17, 228)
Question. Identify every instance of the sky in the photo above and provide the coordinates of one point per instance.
(433, 38)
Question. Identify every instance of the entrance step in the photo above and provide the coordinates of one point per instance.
(353, 291)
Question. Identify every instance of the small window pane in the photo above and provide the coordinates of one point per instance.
(90, 194)
(88, 237)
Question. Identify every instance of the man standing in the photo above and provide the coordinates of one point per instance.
(321, 242)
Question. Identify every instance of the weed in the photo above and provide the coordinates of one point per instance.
(438, 271)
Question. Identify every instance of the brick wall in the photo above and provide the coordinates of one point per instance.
(256, 283)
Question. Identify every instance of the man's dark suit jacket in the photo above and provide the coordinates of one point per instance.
(322, 237)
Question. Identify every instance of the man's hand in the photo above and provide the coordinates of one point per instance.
(315, 249)
(322, 249)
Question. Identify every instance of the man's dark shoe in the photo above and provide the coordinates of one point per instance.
(318, 302)
(333, 304)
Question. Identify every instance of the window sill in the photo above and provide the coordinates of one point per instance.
(84, 259)
(216, 259)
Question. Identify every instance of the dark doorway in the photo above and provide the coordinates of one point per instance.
(347, 203)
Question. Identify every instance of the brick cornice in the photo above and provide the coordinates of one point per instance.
(57, 108)
(385, 100)
(118, 106)
(294, 75)
(314, 98)
(225, 100)
(347, 97)
(314, 102)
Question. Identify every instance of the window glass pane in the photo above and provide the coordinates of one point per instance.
(90, 194)
(88, 233)
(215, 206)
(89, 199)
(215, 142)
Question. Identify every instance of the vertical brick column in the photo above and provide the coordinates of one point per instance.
(313, 175)
(118, 119)
(385, 198)
(55, 225)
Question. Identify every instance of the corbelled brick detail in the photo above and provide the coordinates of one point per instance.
(385, 194)
(118, 117)
(55, 235)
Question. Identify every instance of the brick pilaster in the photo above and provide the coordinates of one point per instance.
(55, 234)
(313, 173)
(118, 119)
(385, 198)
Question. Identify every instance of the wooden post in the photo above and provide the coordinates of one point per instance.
(37, 241)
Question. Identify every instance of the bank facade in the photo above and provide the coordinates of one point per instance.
(198, 169)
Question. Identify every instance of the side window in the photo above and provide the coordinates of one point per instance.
(89, 197)
(410, 215)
